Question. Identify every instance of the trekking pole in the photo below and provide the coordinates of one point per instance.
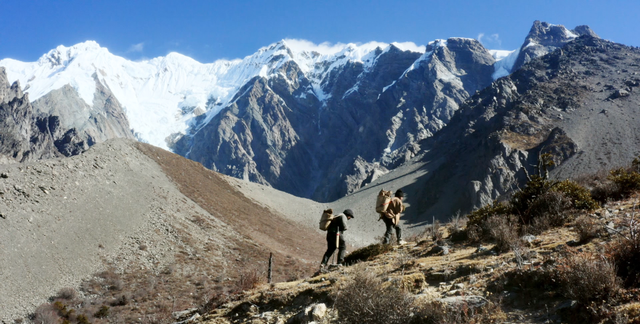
(270, 266)
(337, 251)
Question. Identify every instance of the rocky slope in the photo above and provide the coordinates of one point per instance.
(138, 211)
(457, 282)
(576, 103)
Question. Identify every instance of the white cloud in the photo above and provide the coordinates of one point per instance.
(302, 45)
(410, 46)
(326, 48)
(136, 48)
(490, 41)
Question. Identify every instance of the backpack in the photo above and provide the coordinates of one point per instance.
(384, 198)
(325, 220)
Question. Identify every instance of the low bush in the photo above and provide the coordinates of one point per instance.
(588, 278)
(462, 312)
(46, 314)
(587, 228)
(367, 253)
(249, 279)
(102, 312)
(540, 199)
(368, 300)
(550, 205)
(503, 230)
(625, 252)
(605, 191)
(478, 216)
(67, 293)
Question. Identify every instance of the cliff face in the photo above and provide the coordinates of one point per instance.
(544, 38)
(58, 124)
(23, 136)
(576, 103)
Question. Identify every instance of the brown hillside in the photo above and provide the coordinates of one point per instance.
(298, 245)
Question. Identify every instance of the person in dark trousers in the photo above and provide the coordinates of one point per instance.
(335, 234)
(392, 218)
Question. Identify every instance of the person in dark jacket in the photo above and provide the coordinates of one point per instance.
(391, 218)
(335, 237)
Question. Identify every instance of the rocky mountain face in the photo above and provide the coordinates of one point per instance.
(371, 121)
(577, 103)
(55, 125)
(544, 38)
(24, 136)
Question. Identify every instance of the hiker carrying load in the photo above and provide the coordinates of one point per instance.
(335, 234)
(390, 210)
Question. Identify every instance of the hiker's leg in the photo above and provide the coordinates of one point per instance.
(398, 233)
(341, 250)
(387, 234)
(331, 247)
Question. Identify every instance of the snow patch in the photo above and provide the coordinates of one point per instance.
(504, 62)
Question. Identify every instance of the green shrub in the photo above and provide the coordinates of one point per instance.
(478, 216)
(580, 196)
(102, 313)
(628, 181)
(367, 253)
(522, 200)
(82, 319)
(541, 199)
(548, 209)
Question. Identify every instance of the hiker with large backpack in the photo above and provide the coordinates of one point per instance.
(335, 227)
(390, 210)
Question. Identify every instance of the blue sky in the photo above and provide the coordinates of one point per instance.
(211, 30)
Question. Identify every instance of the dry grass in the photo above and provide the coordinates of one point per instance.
(521, 141)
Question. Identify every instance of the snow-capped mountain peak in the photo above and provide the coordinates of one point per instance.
(162, 96)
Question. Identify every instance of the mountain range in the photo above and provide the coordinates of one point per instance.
(313, 121)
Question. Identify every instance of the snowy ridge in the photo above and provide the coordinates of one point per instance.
(162, 96)
(504, 62)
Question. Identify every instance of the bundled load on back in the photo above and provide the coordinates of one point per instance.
(384, 198)
(325, 220)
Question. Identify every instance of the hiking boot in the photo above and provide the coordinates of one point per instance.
(402, 242)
